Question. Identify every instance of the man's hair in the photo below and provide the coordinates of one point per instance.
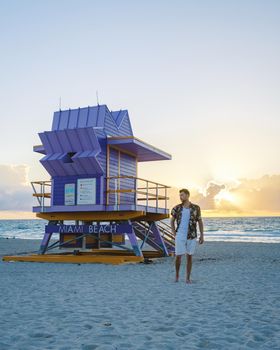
(185, 191)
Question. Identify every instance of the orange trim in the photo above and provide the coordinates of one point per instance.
(46, 195)
(136, 191)
(139, 178)
(92, 216)
(77, 259)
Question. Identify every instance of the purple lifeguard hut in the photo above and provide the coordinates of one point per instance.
(92, 157)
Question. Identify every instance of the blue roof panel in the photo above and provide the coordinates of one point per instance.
(94, 116)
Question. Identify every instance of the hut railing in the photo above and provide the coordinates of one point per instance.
(125, 189)
(42, 191)
(120, 190)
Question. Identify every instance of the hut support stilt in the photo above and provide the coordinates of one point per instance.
(45, 242)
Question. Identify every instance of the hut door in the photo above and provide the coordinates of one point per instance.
(128, 167)
(121, 164)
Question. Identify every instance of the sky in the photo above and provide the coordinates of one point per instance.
(200, 80)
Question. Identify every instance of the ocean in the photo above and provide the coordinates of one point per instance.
(245, 229)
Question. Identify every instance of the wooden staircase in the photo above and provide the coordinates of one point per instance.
(157, 234)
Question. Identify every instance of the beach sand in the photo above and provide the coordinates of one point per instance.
(233, 303)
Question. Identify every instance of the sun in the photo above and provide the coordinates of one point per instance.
(225, 195)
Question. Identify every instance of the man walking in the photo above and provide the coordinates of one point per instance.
(186, 214)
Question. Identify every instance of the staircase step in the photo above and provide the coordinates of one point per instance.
(142, 228)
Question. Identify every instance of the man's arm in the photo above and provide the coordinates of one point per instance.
(172, 220)
(201, 229)
(200, 225)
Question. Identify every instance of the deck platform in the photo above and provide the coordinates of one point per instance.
(106, 256)
(103, 216)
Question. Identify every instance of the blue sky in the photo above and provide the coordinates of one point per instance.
(200, 80)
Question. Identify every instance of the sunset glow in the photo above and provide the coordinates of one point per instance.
(196, 85)
(225, 195)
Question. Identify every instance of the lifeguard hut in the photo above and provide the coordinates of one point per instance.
(92, 156)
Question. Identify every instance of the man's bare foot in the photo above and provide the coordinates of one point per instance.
(188, 281)
(176, 279)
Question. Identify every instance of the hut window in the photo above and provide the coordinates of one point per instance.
(68, 157)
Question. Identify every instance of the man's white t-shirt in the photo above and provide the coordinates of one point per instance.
(184, 224)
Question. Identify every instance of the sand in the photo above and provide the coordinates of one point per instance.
(233, 303)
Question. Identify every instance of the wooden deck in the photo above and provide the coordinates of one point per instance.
(102, 216)
(97, 256)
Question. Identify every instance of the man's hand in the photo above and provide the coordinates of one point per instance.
(201, 239)
(201, 230)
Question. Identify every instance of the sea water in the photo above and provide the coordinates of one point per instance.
(234, 229)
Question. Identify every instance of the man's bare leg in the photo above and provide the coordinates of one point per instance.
(177, 264)
(189, 268)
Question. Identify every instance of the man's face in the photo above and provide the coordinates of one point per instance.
(184, 196)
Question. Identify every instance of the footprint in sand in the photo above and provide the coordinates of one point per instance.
(88, 326)
(40, 335)
(180, 333)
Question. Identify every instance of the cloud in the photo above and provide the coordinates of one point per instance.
(207, 200)
(15, 190)
(260, 194)
(242, 195)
